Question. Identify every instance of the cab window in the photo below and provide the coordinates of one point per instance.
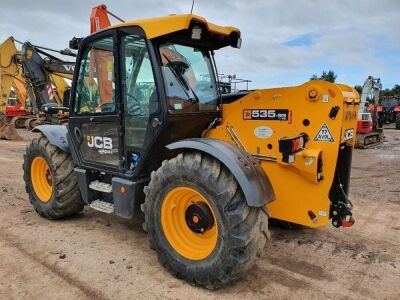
(95, 89)
(189, 79)
(139, 93)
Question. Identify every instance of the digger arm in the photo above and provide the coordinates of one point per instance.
(8, 69)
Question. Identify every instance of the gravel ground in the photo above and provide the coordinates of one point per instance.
(98, 256)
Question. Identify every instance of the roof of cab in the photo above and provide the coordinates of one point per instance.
(155, 27)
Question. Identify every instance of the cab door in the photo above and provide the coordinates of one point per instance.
(95, 121)
(114, 98)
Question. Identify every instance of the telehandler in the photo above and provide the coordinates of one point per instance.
(148, 131)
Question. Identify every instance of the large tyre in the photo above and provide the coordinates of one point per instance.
(398, 120)
(199, 222)
(50, 180)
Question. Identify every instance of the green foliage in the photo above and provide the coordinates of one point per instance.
(395, 91)
(358, 88)
(327, 76)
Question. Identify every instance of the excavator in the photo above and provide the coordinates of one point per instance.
(369, 129)
(207, 170)
(38, 78)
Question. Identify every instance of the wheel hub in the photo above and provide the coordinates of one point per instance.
(41, 179)
(189, 226)
(48, 177)
(199, 217)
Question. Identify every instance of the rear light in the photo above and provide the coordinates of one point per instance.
(379, 108)
(396, 108)
(289, 146)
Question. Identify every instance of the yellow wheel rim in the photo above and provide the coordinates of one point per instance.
(189, 244)
(41, 179)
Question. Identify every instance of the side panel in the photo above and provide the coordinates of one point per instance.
(260, 119)
(127, 195)
(251, 178)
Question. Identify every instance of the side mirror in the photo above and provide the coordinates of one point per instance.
(75, 42)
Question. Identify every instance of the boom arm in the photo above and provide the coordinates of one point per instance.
(10, 72)
(99, 18)
(372, 87)
(41, 74)
(42, 77)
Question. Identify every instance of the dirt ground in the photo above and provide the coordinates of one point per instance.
(98, 256)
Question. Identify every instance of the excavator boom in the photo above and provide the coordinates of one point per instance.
(37, 78)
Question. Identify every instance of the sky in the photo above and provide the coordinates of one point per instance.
(284, 42)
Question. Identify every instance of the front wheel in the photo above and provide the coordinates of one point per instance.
(50, 180)
(199, 222)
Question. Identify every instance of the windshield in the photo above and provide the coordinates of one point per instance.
(189, 79)
(390, 102)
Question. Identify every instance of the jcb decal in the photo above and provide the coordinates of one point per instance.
(104, 144)
(266, 114)
(350, 115)
(348, 134)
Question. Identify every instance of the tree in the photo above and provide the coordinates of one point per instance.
(327, 76)
(358, 88)
(396, 89)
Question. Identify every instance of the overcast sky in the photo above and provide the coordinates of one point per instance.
(284, 42)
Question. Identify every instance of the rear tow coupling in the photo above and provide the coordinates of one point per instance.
(340, 212)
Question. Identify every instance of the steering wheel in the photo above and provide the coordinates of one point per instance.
(107, 107)
(134, 107)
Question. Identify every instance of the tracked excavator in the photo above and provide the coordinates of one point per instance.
(207, 170)
(369, 129)
(39, 80)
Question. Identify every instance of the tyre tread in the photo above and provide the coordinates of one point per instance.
(248, 226)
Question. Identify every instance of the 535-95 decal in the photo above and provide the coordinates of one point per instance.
(267, 114)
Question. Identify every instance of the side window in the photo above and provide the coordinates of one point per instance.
(141, 98)
(95, 89)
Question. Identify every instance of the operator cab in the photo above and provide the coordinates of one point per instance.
(141, 85)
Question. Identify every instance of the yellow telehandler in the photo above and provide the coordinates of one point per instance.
(207, 170)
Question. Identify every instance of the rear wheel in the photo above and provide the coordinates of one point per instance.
(398, 120)
(50, 180)
(19, 122)
(199, 222)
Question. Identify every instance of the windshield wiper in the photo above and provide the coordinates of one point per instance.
(184, 84)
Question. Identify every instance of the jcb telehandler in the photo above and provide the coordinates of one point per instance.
(208, 171)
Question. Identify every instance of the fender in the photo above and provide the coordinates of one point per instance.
(252, 179)
(56, 134)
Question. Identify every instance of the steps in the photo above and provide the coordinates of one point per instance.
(102, 206)
(100, 186)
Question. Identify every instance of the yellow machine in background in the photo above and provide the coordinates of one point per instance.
(10, 73)
(37, 78)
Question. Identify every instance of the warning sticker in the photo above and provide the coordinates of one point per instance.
(324, 135)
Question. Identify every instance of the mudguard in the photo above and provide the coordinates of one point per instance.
(56, 134)
(252, 179)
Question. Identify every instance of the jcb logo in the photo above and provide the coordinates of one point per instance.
(350, 115)
(99, 142)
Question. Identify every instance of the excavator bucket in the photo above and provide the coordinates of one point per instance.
(8, 131)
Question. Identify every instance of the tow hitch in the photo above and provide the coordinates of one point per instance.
(340, 212)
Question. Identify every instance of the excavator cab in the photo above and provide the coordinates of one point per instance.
(149, 132)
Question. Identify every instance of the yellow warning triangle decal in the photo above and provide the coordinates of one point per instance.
(324, 135)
